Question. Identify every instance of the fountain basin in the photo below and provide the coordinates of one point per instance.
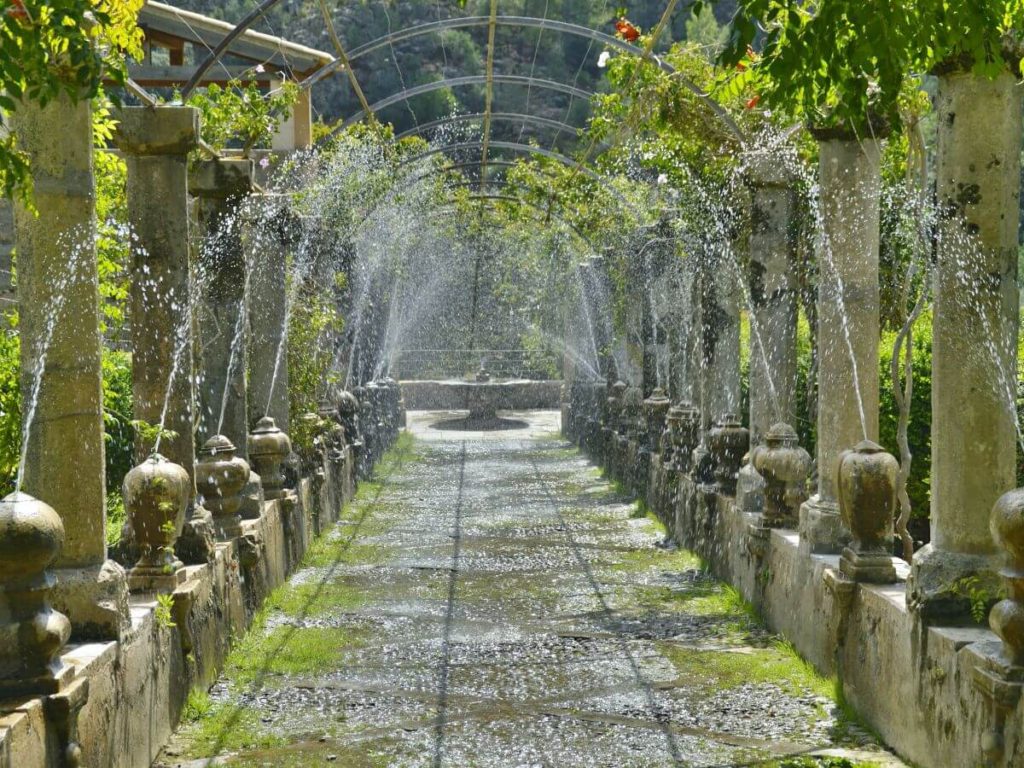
(482, 399)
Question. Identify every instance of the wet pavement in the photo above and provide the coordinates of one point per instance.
(491, 601)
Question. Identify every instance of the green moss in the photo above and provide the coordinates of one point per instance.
(288, 650)
(719, 670)
(809, 761)
(644, 559)
(197, 706)
(315, 599)
(228, 728)
(344, 551)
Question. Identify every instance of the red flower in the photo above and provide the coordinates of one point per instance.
(626, 30)
(741, 66)
(17, 10)
(753, 102)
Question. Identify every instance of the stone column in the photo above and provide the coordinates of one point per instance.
(269, 240)
(58, 294)
(974, 341)
(772, 296)
(848, 324)
(719, 339)
(220, 186)
(156, 143)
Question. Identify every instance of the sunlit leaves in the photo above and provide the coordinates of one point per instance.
(843, 63)
(50, 47)
(241, 112)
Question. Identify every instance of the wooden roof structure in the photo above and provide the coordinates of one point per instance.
(175, 31)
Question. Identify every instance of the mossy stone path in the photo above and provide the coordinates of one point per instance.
(490, 601)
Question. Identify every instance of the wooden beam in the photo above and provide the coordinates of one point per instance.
(154, 75)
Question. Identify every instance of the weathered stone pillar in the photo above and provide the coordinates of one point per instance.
(156, 142)
(719, 339)
(269, 240)
(58, 294)
(772, 296)
(974, 336)
(848, 324)
(220, 186)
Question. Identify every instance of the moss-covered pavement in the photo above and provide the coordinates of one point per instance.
(490, 601)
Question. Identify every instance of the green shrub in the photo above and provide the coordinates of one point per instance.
(919, 432)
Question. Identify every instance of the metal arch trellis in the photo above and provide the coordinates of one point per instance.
(528, 149)
(456, 82)
(461, 23)
(436, 171)
(516, 117)
(512, 146)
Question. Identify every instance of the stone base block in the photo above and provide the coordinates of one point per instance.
(252, 498)
(952, 586)
(869, 567)
(95, 600)
(227, 527)
(144, 578)
(195, 546)
(821, 528)
(758, 535)
(13, 691)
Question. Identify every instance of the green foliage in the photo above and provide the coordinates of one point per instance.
(164, 611)
(50, 48)
(10, 403)
(313, 320)
(919, 431)
(116, 516)
(843, 63)
(242, 113)
(117, 415)
(112, 232)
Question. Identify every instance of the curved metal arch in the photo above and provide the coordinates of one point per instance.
(522, 201)
(456, 82)
(514, 146)
(537, 23)
(508, 117)
(457, 23)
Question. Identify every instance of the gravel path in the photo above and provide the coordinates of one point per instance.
(493, 602)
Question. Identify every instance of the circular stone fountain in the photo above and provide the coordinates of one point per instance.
(483, 398)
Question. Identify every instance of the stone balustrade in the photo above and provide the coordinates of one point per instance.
(214, 529)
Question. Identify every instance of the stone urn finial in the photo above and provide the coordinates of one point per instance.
(784, 465)
(220, 478)
(616, 402)
(156, 496)
(728, 442)
(269, 448)
(655, 409)
(1007, 616)
(685, 435)
(31, 632)
(866, 486)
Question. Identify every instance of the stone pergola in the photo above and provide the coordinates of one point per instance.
(816, 560)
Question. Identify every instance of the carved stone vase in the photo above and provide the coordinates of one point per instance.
(655, 410)
(31, 632)
(616, 401)
(1007, 616)
(784, 465)
(156, 496)
(685, 435)
(269, 448)
(728, 441)
(220, 478)
(866, 486)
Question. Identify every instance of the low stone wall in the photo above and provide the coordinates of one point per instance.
(912, 683)
(137, 688)
(511, 395)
